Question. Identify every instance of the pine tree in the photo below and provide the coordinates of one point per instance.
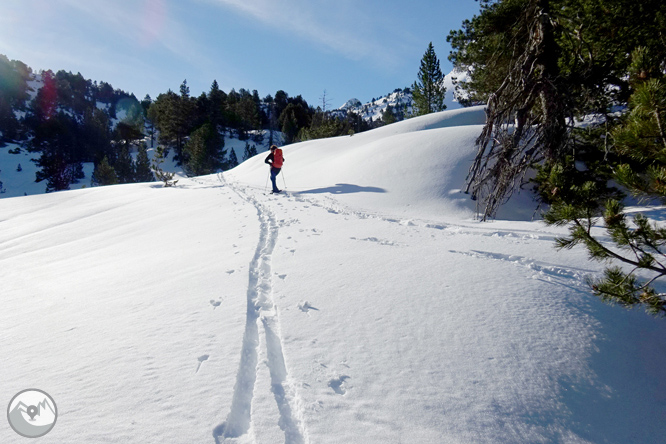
(143, 173)
(250, 151)
(146, 103)
(9, 125)
(95, 135)
(163, 113)
(124, 166)
(387, 116)
(233, 159)
(204, 153)
(183, 119)
(216, 103)
(539, 64)
(429, 91)
(104, 174)
(639, 164)
(289, 123)
(60, 174)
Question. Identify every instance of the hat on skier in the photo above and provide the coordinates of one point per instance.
(273, 147)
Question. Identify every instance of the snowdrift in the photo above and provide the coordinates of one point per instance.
(366, 305)
(415, 167)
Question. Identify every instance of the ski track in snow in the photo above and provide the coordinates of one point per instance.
(547, 272)
(333, 206)
(261, 314)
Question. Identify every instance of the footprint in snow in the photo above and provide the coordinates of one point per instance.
(377, 240)
(201, 360)
(215, 304)
(338, 384)
(305, 307)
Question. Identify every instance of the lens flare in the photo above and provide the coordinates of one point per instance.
(152, 23)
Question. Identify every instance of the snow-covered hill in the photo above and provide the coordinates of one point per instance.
(366, 305)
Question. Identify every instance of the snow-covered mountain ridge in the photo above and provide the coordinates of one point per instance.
(400, 100)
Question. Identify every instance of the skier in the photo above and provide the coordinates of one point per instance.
(275, 160)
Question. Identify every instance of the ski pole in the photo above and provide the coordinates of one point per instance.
(283, 181)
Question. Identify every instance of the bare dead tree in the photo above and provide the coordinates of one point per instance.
(525, 118)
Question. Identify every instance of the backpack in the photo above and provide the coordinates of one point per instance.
(278, 159)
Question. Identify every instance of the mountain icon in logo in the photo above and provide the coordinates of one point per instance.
(32, 413)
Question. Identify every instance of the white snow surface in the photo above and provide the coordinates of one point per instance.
(365, 305)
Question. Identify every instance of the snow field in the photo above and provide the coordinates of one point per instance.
(366, 305)
(121, 313)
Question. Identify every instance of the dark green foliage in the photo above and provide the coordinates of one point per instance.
(146, 103)
(104, 174)
(250, 151)
(233, 160)
(639, 244)
(56, 140)
(618, 287)
(14, 76)
(637, 161)
(590, 168)
(72, 91)
(127, 134)
(429, 91)
(124, 166)
(56, 170)
(247, 114)
(9, 125)
(289, 122)
(95, 135)
(204, 153)
(105, 93)
(388, 117)
(216, 105)
(66, 127)
(45, 103)
(172, 115)
(13, 94)
(162, 113)
(323, 126)
(592, 39)
(294, 117)
(142, 171)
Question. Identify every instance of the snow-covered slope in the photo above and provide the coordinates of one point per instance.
(364, 306)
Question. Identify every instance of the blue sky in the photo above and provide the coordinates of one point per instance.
(348, 48)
